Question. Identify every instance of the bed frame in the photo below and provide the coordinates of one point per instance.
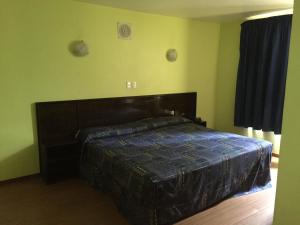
(58, 122)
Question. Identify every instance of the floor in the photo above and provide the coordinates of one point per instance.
(73, 202)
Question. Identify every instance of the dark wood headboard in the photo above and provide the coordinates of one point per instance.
(59, 121)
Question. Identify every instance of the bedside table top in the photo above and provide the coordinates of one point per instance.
(200, 122)
(60, 143)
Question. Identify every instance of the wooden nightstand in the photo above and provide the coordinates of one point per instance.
(200, 122)
(59, 160)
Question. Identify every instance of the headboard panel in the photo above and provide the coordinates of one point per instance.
(59, 121)
(56, 121)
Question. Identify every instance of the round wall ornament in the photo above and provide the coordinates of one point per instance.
(172, 55)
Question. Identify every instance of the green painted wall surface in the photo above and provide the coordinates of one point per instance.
(35, 64)
(287, 208)
(226, 85)
(227, 73)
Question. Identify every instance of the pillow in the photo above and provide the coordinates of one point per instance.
(92, 133)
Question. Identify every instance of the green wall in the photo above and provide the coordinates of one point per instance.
(227, 72)
(226, 85)
(35, 64)
(287, 209)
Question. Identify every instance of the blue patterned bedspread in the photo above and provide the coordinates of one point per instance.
(162, 170)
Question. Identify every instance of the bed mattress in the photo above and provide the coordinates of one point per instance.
(159, 171)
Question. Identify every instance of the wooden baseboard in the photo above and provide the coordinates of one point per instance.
(275, 155)
(18, 179)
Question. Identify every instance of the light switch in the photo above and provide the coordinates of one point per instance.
(134, 84)
(128, 84)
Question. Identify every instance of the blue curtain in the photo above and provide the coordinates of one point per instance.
(260, 88)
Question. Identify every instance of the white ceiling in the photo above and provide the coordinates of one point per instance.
(205, 9)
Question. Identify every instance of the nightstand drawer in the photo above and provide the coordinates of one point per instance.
(66, 152)
(59, 161)
(61, 169)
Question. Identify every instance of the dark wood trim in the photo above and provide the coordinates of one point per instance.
(19, 179)
(275, 155)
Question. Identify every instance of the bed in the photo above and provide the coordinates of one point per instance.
(161, 170)
(147, 153)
